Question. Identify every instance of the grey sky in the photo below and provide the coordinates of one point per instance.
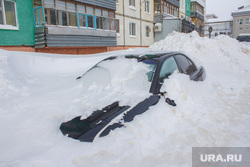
(223, 8)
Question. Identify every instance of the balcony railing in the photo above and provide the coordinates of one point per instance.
(51, 17)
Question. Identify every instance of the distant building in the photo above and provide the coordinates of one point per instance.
(219, 26)
(166, 18)
(135, 23)
(182, 9)
(197, 15)
(16, 24)
(241, 21)
(211, 16)
(187, 24)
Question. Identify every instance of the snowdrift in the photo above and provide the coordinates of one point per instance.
(39, 91)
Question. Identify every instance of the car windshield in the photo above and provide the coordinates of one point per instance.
(109, 69)
(116, 80)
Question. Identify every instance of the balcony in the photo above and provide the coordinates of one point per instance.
(76, 30)
(196, 14)
(201, 2)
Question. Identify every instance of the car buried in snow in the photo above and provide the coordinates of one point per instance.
(162, 65)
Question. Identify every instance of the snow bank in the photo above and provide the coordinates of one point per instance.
(39, 91)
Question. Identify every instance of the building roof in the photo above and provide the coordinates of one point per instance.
(211, 16)
(218, 20)
(242, 11)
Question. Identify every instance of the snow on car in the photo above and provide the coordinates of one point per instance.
(159, 67)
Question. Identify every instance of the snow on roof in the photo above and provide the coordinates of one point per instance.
(218, 20)
(244, 9)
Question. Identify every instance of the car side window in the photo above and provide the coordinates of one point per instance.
(167, 68)
(185, 65)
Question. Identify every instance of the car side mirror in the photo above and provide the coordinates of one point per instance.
(199, 74)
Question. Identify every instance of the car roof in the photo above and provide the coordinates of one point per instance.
(150, 55)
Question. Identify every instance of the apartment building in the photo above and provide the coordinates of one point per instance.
(135, 23)
(187, 24)
(182, 9)
(197, 15)
(219, 27)
(241, 21)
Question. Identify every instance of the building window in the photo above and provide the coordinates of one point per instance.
(247, 20)
(39, 16)
(147, 6)
(72, 19)
(8, 17)
(87, 21)
(148, 31)
(82, 20)
(91, 23)
(99, 20)
(188, 6)
(61, 18)
(132, 29)
(131, 2)
(117, 26)
(240, 21)
(71, 8)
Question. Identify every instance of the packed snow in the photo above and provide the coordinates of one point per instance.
(40, 91)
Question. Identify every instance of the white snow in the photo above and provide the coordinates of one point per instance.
(40, 91)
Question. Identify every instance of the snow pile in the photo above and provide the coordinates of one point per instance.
(122, 77)
(39, 91)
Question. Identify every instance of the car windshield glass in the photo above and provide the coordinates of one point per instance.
(152, 65)
(115, 80)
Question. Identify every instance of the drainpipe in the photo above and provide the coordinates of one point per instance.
(140, 25)
(123, 15)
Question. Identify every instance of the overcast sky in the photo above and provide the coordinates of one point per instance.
(223, 8)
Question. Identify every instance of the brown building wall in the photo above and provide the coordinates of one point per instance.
(18, 48)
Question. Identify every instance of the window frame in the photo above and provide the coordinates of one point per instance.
(4, 25)
(147, 28)
(247, 21)
(147, 7)
(241, 21)
(86, 19)
(117, 26)
(39, 9)
(131, 34)
(132, 4)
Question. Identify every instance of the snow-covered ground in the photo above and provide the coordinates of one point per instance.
(39, 91)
